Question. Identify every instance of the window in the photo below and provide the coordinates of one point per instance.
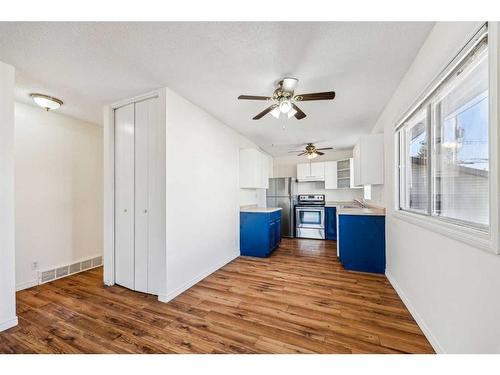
(415, 179)
(444, 147)
(367, 192)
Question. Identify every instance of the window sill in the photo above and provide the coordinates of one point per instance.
(467, 235)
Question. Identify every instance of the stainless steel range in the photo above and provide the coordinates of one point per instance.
(310, 216)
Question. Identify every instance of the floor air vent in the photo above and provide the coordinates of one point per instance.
(62, 271)
(75, 267)
(47, 276)
(96, 261)
(70, 269)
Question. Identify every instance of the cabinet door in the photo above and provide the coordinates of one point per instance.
(278, 231)
(330, 175)
(303, 171)
(250, 175)
(272, 236)
(318, 170)
(331, 223)
(124, 196)
(351, 177)
(356, 170)
(254, 169)
(264, 171)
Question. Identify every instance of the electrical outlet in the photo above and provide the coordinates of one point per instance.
(34, 265)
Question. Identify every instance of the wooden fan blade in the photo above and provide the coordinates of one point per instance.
(265, 112)
(303, 153)
(299, 115)
(328, 95)
(320, 153)
(253, 97)
(325, 148)
(294, 152)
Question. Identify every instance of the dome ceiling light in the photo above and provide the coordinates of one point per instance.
(47, 102)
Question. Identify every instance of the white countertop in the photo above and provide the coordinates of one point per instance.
(260, 209)
(341, 204)
(362, 211)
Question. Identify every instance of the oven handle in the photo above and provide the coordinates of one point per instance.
(315, 209)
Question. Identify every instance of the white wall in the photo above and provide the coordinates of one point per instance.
(7, 219)
(453, 289)
(286, 166)
(59, 194)
(203, 196)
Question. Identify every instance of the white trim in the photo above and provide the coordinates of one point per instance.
(136, 99)
(109, 197)
(8, 324)
(26, 285)
(171, 295)
(438, 348)
(494, 135)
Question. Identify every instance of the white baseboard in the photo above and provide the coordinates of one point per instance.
(26, 285)
(425, 329)
(170, 296)
(8, 324)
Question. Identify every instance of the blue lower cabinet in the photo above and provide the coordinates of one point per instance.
(260, 233)
(331, 223)
(361, 241)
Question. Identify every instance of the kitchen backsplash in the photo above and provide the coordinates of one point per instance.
(318, 187)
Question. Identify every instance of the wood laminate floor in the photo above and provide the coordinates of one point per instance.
(300, 300)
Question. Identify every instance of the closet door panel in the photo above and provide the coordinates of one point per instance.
(156, 225)
(124, 196)
(142, 125)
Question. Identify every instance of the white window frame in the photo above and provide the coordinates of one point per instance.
(415, 118)
(488, 241)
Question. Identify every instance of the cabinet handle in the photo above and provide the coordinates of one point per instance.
(145, 211)
(125, 210)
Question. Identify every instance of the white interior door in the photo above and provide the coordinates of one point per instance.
(124, 196)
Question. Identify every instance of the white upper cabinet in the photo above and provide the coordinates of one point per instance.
(255, 169)
(318, 171)
(368, 157)
(311, 171)
(270, 165)
(345, 174)
(303, 171)
(331, 175)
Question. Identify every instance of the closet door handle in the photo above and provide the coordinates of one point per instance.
(125, 210)
(145, 211)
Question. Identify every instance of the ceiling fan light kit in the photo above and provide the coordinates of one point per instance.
(284, 99)
(311, 151)
(276, 112)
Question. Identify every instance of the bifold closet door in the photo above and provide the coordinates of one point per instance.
(145, 120)
(124, 196)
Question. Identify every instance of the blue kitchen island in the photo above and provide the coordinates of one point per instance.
(260, 231)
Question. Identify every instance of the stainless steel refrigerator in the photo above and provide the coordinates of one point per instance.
(282, 193)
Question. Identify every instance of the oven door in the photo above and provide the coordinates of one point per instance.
(310, 217)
